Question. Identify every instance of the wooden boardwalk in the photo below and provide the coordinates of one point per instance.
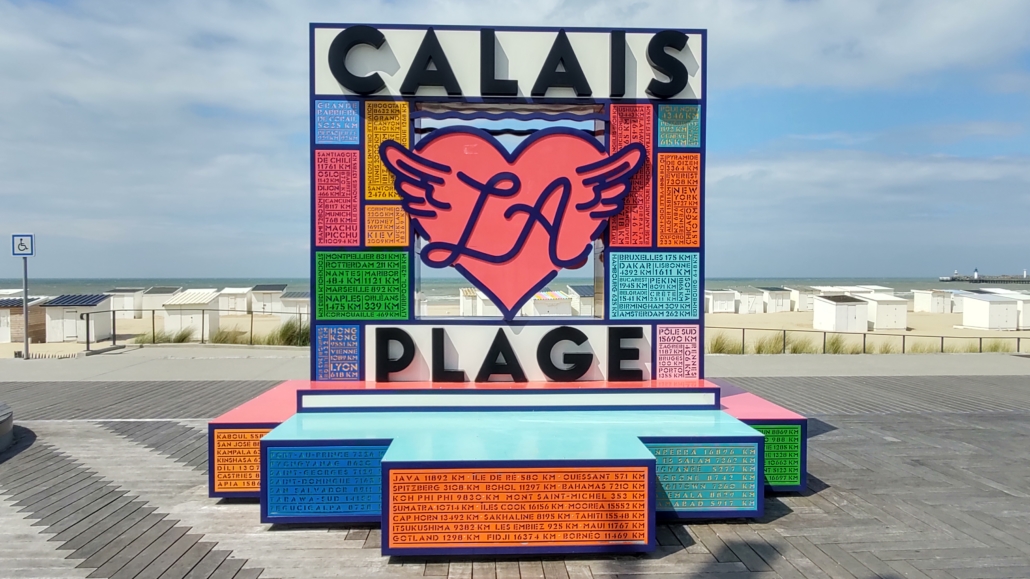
(912, 477)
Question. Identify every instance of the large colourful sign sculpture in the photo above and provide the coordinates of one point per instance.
(509, 159)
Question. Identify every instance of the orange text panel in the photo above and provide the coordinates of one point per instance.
(237, 459)
(517, 507)
(679, 200)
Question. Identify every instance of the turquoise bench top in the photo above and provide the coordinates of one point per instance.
(511, 436)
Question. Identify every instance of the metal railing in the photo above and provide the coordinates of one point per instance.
(865, 336)
(300, 317)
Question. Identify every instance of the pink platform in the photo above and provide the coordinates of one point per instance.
(279, 403)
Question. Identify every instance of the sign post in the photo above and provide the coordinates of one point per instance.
(23, 245)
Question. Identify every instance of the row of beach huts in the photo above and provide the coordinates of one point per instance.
(62, 318)
(872, 307)
(575, 300)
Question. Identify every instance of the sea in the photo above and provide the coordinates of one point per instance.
(447, 289)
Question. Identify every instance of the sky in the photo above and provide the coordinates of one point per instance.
(845, 139)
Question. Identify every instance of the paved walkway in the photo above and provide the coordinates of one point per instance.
(917, 477)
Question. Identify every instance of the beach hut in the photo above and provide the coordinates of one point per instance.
(296, 306)
(156, 297)
(986, 311)
(931, 301)
(854, 290)
(775, 299)
(840, 314)
(548, 303)
(886, 311)
(721, 301)
(582, 299)
(12, 320)
(467, 301)
(878, 289)
(955, 300)
(827, 290)
(749, 300)
(65, 318)
(1022, 310)
(484, 306)
(267, 298)
(801, 298)
(234, 301)
(195, 310)
(126, 302)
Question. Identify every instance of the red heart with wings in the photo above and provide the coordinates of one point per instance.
(510, 221)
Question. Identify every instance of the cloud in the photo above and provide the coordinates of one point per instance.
(145, 138)
(848, 213)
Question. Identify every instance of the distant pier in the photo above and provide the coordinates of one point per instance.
(986, 279)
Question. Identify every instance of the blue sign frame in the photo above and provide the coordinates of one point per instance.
(16, 252)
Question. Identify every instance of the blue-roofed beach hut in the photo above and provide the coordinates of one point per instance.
(64, 318)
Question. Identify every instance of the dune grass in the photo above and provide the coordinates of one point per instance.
(723, 344)
(162, 337)
(838, 344)
(769, 345)
(291, 333)
(1002, 346)
(885, 347)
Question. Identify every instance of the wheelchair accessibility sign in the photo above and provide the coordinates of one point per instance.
(23, 245)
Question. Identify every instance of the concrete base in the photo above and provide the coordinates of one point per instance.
(6, 427)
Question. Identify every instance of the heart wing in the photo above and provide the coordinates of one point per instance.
(418, 180)
(609, 181)
(599, 191)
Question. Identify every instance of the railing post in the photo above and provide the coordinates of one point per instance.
(1019, 348)
(202, 320)
(114, 328)
(942, 344)
(742, 337)
(864, 336)
(252, 327)
(824, 342)
(981, 345)
(902, 343)
(153, 327)
(784, 341)
(87, 330)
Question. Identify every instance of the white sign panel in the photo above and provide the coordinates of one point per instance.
(466, 349)
(521, 56)
(23, 245)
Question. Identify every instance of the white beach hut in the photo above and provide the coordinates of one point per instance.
(195, 310)
(775, 299)
(582, 299)
(956, 300)
(886, 312)
(1022, 309)
(485, 307)
(721, 301)
(156, 297)
(878, 289)
(548, 303)
(854, 290)
(985, 311)
(840, 314)
(267, 298)
(749, 300)
(827, 290)
(127, 302)
(931, 301)
(12, 320)
(296, 306)
(234, 301)
(65, 318)
(801, 298)
(467, 301)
